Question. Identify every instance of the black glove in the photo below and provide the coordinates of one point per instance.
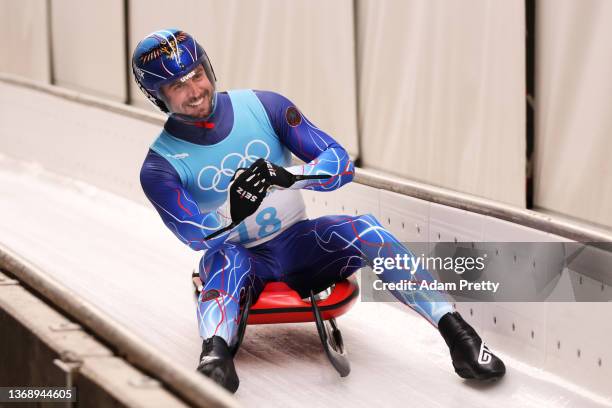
(273, 174)
(250, 185)
(279, 176)
(246, 192)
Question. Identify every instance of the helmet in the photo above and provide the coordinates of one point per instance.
(164, 56)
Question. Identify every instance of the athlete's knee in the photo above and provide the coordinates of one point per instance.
(226, 257)
(362, 224)
(367, 230)
(227, 249)
(367, 219)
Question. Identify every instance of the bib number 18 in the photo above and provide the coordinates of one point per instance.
(267, 221)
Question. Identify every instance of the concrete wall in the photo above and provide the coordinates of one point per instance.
(38, 345)
(24, 28)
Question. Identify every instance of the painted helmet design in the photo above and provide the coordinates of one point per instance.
(164, 56)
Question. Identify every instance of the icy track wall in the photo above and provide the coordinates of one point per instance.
(64, 132)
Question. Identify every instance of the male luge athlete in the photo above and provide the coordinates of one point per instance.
(211, 169)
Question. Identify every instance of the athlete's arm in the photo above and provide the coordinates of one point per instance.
(321, 153)
(162, 186)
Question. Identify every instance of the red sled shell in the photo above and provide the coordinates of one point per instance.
(278, 303)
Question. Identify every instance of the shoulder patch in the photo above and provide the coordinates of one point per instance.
(293, 116)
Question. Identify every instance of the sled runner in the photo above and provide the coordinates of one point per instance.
(278, 303)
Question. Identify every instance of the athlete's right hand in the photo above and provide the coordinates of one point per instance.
(246, 192)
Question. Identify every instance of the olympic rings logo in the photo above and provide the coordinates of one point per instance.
(217, 179)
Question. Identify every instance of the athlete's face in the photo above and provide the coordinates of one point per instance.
(190, 95)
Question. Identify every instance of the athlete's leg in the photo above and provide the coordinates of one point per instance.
(227, 274)
(331, 248)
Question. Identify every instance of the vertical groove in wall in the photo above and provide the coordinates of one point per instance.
(358, 160)
(126, 44)
(530, 32)
(50, 43)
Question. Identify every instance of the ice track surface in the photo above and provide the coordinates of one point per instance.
(118, 255)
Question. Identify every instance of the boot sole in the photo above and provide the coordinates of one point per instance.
(218, 376)
(469, 374)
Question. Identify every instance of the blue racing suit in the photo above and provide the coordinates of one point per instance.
(186, 175)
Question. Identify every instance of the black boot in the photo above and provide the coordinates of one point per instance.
(216, 362)
(471, 357)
